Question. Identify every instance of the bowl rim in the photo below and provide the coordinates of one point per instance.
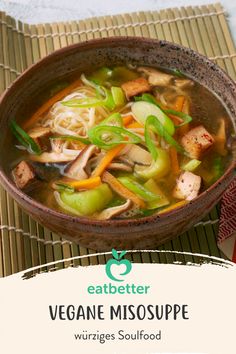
(9, 184)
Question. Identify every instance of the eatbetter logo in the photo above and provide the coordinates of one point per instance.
(115, 262)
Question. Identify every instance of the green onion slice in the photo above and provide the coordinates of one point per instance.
(139, 189)
(107, 137)
(147, 97)
(153, 124)
(186, 118)
(104, 97)
(118, 96)
(25, 139)
(114, 120)
(63, 187)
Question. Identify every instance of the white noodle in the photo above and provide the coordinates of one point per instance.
(74, 120)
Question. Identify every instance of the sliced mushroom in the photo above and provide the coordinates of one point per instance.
(114, 211)
(75, 145)
(53, 157)
(76, 169)
(39, 132)
(139, 155)
(183, 83)
(57, 145)
(117, 166)
(156, 77)
(93, 162)
(126, 160)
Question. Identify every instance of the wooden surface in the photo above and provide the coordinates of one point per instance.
(23, 242)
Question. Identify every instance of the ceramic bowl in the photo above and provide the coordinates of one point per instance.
(21, 99)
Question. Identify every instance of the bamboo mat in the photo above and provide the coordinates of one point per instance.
(23, 242)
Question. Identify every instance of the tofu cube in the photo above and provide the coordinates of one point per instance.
(197, 141)
(188, 186)
(135, 87)
(23, 174)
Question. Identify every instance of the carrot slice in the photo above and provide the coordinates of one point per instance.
(179, 103)
(174, 206)
(135, 125)
(176, 120)
(127, 119)
(89, 183)
(174, 160)
(111, 154)
(106, 160)
(178, 106)
(122, 190)
(47, 105)
(138, 126)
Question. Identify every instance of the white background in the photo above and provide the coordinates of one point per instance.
(26, 327)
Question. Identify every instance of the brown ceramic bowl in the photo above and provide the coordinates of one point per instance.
(20, 101)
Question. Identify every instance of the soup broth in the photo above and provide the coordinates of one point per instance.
(122, 142)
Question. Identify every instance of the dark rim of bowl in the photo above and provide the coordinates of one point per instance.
(8, 183)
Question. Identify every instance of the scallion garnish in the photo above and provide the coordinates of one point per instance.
(25, 139)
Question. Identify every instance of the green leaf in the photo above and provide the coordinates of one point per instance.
(114, 120)
(25, 139)
(147, 97)
(60, 186)
(186, 118)
(153, 122)
(107, 137)
(122, 254)
(115, 254)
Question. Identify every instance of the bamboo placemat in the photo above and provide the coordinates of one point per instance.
(23, 242)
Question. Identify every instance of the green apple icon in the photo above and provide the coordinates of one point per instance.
(117, 260)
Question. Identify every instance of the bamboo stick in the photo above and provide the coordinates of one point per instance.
(41, 246)
(188, 29)
(12, 235)
(19, 238)
(212, 38)
(11, 59)
(181, 29)
(195, 30)
(5, 234)
(173, 28)
(151, 27)
(26, 240)
(120, 21)
(219, 34)
(16, 47)
(158, 26)
(2, 76)
(227, 34)
(7, 73)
